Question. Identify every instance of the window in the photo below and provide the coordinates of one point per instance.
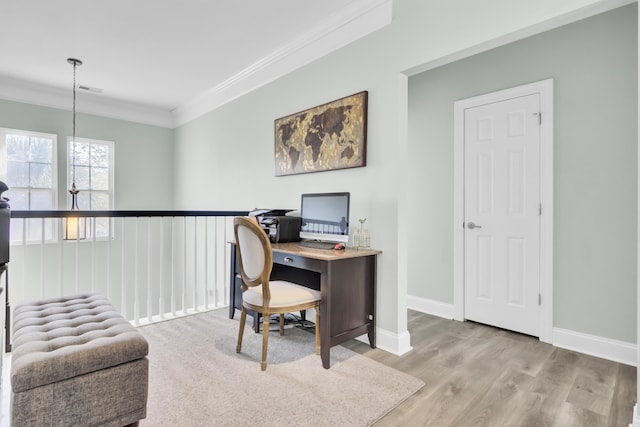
(91, 163)
(28, 167)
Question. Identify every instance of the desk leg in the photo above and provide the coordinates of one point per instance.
(325, 317)
(325, 355)
(7, 313)
(232, 295)
(232, 282)
(325, 339)
(373, 274)
(372, 335)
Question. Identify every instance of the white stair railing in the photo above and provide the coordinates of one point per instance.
(152, 265)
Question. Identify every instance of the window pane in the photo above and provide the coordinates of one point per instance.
(17, 148)
(17, 174)
(41, 150)
(100, 201)
(41, 175)
(18, 199)
(34, 229)
(102, 227)
(82, 153)
(41, 200)
(49, 227)
(99, 178)
(84, 200)
(82, 177)
(100, 156)
(15, 229)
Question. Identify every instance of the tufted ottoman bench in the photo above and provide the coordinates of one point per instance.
(76, 362)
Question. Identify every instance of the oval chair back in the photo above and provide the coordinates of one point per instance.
(254, 254)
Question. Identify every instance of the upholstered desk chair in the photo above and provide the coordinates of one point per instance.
(259, 293)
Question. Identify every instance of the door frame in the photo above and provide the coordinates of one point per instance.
(545, 89)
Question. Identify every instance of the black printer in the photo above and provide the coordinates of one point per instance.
(279, 227)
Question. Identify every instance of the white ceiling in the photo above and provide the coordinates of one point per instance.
(163, 56)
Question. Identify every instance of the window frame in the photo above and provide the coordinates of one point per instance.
(111, 181)
(4, 132)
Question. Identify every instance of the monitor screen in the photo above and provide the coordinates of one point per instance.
(325, 216)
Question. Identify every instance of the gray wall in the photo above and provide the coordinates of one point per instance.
(143, 154)
(224, 159)
(594, 66)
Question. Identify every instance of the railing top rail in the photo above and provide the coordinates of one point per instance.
(128, 213)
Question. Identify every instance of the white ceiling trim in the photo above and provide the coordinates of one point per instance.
(361, 18)
(46, 96)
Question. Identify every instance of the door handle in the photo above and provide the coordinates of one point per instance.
(472, 225)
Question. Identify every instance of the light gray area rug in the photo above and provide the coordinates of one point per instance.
(198, 379)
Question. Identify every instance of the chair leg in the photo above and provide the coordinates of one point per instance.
(243, 319)
(318, 329)
(281, 324)
(265, 341)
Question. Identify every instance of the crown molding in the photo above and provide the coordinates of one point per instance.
(46, 96)
(359, 19)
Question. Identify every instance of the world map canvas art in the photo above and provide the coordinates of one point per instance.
(326, 137)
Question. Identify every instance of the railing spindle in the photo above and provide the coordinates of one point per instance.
(60, 258)
(24, 261)
(149, 292)
(93, 254)
(109, 248)
(206, 263)
(123, 268)
(161, 276)
(195, 264)
(173, 268)
(42, 286)
(184, 267)
(76, 245)
(136, 282)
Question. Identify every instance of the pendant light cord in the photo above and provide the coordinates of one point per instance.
(74, 191)
(74, 125)
(75, 63)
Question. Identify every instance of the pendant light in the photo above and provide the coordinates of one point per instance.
(76, 227)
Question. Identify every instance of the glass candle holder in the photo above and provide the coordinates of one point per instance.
(365, 239)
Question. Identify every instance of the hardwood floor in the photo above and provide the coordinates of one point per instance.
(477, 375)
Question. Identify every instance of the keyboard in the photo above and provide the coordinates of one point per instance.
(315, 244)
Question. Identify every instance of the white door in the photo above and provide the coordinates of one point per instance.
(502, 214)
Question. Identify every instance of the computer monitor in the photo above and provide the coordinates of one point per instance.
(325, 217)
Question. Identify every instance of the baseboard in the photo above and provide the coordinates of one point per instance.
(429, 306)
(636, 417)
(393, 343)
(617, 351)
(606, 348)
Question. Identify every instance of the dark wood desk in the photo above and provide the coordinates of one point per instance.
(346, 279)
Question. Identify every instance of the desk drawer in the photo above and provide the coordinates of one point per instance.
(297, 261)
